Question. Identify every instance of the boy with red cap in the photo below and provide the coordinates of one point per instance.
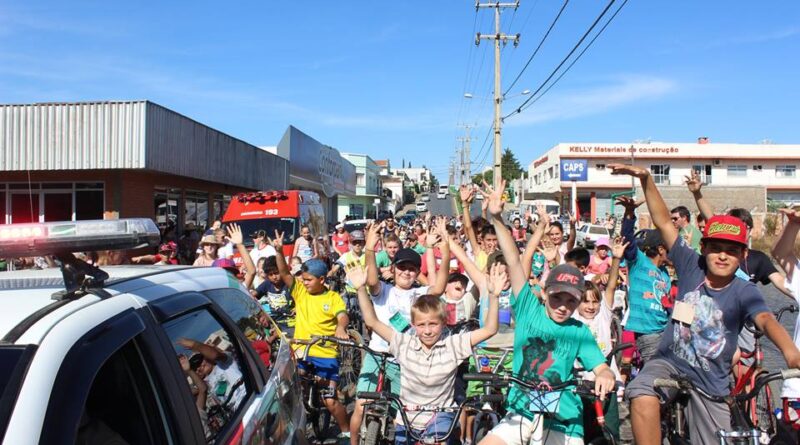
(709, 312)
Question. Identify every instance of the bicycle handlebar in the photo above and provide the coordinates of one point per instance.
(757, 332)
(682, 382)
(350, 343)
(581, 386)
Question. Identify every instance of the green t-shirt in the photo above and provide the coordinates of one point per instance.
(692, 236)
(382, 259)
(548, 353)
(419, 248)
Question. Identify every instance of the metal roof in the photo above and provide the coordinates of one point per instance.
(131, 135)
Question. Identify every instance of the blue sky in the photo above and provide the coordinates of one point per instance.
(388, 78)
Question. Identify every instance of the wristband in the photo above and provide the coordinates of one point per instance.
(369, 250)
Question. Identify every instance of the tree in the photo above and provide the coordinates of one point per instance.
(485, 176)
(511, 167)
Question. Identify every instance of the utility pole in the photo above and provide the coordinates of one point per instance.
(466, 160)
(498, 96)
(451, 171)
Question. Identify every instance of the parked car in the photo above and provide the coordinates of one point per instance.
(422, 207)
(588, 234)
(441, 195)
(105, 355)
(425, 197)
(356, 224)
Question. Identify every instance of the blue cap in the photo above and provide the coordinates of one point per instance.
(315, 267)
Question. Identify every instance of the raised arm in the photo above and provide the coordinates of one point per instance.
(283, 268)
(694, 184)
(573, 228)
(358, 278)
(474, 274)
(373, 236)
(467, 195)
(655, 203)
(628, 222)
(236, 237)
(783, 249)
(535, 239)
(494, 284)
(617, 252)
(510, 250)
(440, 229)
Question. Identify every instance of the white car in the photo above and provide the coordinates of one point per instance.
(426, 197)
(90, 352)
(422, 207)
(588, 234)
(441, 195)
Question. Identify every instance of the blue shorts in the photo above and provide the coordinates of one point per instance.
(326, 368)
(436, 428)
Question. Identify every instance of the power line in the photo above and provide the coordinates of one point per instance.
(578, 57)
(538, 47)
(563, 61)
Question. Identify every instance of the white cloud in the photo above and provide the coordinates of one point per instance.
(750, 38)
(628, 89)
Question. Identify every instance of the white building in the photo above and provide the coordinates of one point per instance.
(419, 176)
(741, 175)
(395, 185)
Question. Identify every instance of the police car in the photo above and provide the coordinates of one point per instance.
(136, 355)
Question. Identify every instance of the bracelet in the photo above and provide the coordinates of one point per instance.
(369, 250)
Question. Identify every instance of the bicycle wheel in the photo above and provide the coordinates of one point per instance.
(350, 367)
(765, 419)
(370, 437)
(320, 423)
(484, 422)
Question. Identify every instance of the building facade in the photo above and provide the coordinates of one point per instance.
(421, 177)
(317, 167)
(397, 188)
(368, 199)
(735, 175)
(72, 161)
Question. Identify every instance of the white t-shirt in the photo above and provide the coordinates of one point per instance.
(392, 301)
(266, 252)
(791, 387)
(230, 373)
(600, 327)
(225, 251)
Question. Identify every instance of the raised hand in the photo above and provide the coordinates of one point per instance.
(494, 198)
(549, 250)
(235, 234)
(543, 216)
(628, 203)
(432, 239)
(373, 235)
(618, 248)
(498, 279)
(276, 242)
(528, 215)
(630, 170)
(792, 215)
(357, 275)
(693, 182)
(467, 193)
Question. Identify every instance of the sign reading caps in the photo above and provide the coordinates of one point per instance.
(574, 169)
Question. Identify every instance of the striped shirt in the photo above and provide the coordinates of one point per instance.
(427, 377)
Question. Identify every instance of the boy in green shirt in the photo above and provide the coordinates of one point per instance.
(547, 341)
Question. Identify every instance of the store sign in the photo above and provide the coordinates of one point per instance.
(624, 150)
(540, 161)
(574, 169)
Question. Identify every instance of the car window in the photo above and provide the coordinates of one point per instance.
(122, 405)
(248, 316)
(208, 355)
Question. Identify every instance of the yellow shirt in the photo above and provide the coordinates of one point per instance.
(316, 315)
(481, 258)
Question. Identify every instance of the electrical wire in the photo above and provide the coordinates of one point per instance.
(538, 47)
(578, 57)
(563, 61)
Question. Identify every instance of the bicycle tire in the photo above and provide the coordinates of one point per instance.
(482, 424)
(765, 419)
(321, 423)
(371, 436)
(350, 360)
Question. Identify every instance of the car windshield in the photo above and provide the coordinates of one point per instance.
(551, 210)
(595, 230)
(270, 225)
(349, 227)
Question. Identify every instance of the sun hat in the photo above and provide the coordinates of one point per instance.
(209, 239)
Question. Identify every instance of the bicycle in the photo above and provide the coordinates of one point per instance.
(742, 430)
(377, 419)
(760, 409)
(317, 413)
(493, 409)
(544, 395)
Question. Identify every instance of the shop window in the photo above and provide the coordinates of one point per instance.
(704, 170)
(213, 365)
(58, 206)
(24, 207)
(660, 173)
(737, 170)
(785, 171)
(166, 207)
(89, 204)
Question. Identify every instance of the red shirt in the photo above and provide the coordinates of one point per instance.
(455, 265)
(341, 242)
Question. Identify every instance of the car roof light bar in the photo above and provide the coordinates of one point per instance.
(51, 238)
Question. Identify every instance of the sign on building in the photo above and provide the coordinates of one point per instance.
(574, 169)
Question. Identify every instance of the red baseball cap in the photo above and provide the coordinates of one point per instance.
(727, 228)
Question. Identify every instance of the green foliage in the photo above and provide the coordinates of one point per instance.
(510, 164)
(771, 225)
